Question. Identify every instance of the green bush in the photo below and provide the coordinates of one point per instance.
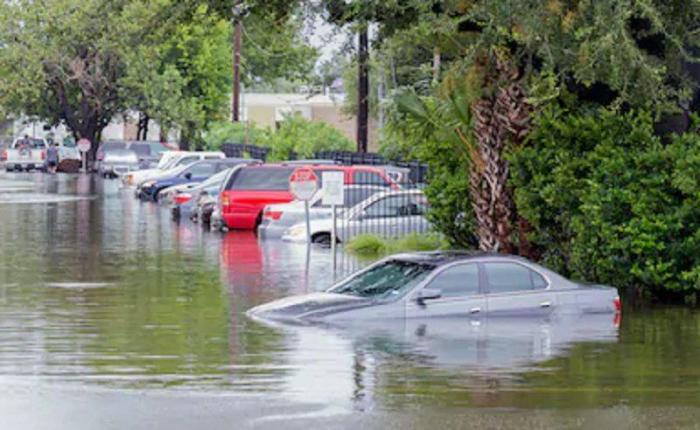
(221, 132)
(303, 138)
(371, 246)
(609, 202)
(407, 137)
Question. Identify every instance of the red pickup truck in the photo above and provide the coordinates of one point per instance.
(249, 189)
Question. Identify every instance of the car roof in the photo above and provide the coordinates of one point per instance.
(441, 258)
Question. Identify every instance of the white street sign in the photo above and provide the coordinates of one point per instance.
(84, 145)
(332, 184)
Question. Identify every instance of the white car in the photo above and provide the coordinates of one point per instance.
(388, 214)
(280, 217)
(169, 161)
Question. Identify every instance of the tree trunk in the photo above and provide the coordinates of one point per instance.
(499, 120)
(363, 90)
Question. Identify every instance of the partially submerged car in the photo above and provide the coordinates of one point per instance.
(388, 214)
(444, 284)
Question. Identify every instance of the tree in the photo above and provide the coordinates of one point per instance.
(179, 74)
(518, 55)
(62, 61)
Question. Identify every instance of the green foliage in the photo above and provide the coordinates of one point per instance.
(371, 246)
(610, 203)
(300, 137)
(221, 132)
(425, 129)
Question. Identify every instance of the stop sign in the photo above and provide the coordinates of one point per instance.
(303, 183)
(84, 145)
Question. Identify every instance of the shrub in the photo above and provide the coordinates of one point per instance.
(372, 246)
(221, 132)
(609, 202)
(303, 138)
(407, 136)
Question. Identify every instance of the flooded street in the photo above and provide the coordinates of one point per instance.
(114, 316)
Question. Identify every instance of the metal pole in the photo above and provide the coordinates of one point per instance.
(363, 89)
(84, 161)
(333, 240)
(308, 222)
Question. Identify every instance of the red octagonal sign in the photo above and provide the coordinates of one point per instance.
(303, 183)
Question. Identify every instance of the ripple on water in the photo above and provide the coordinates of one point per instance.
(38, 198)
(79, 285)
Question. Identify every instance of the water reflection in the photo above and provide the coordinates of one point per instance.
(111, 292)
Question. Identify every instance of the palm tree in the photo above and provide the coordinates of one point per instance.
(485, 112)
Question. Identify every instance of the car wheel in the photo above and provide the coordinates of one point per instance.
(323, 239)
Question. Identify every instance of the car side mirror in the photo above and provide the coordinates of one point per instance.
(188, 175)
(428, 294)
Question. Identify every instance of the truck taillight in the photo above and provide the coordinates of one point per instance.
(618, 304)
(43, 155)
(4, 155)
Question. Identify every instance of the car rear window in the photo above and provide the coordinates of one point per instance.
(261, 178)
(142, 149)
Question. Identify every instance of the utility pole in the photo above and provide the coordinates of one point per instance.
(363, 90)
(235, 110)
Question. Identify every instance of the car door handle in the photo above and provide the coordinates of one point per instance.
(546, 304)
(475, 311)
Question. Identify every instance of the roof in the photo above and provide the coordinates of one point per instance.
(440, 258)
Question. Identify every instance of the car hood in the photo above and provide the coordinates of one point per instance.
(307, 307)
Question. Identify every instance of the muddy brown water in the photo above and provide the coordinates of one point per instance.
(114, 316)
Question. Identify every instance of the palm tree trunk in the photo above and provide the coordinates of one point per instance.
(500, 120)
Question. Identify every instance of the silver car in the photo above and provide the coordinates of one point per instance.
(117, 162)
(445, 284)
(277, 219)
(387, 214)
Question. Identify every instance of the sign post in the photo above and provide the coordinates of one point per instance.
(303, 184)
(84, 146)
(333, 185)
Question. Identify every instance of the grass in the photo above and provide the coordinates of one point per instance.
(369, 246)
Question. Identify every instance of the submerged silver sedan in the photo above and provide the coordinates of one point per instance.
(444, 284)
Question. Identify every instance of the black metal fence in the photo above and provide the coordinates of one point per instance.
(417, 172)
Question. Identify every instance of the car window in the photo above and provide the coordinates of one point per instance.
(368, 178)
(185, 161)
(262, 178)
(457, 281)
(200, 169)
(388, 279)
(512, 277)
(141, 149)
(395, 206)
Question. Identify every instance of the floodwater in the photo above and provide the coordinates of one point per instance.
(114, 316)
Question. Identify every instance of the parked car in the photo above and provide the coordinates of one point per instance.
(247, 191)
(117, 162)
(183, 199)
(173, 160)
(386, 214)
(277, 219)
(198, 171)
(23, 155)
(445, 284)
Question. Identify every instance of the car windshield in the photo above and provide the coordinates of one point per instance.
(385, 280)
(142, 149)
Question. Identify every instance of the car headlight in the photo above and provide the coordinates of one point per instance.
(298, 231)
(148, 184)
